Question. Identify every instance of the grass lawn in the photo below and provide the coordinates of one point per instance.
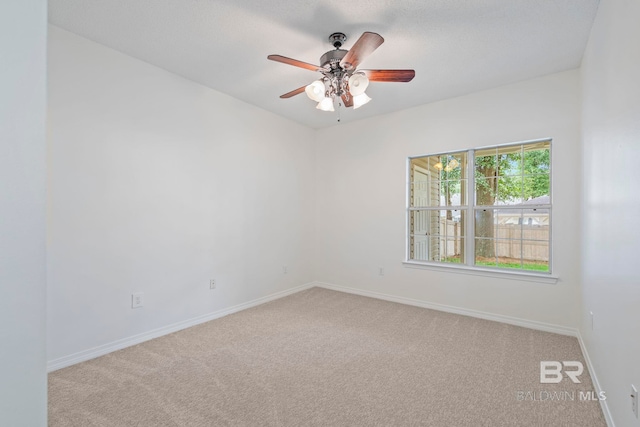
(504, 263)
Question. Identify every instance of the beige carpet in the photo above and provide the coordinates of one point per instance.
(326, 358)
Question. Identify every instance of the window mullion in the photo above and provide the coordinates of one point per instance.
(410, 189)
(469, 240)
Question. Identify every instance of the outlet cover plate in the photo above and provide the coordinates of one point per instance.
(137, 300)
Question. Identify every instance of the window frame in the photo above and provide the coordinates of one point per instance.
(470, 207)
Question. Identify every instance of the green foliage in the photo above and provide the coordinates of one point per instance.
(512, 177)
(500, 177)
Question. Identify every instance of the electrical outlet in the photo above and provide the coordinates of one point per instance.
(212, 284)
(137, 300)
(634, 400)
(381, 271)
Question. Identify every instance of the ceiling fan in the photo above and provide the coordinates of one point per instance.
(340, 77)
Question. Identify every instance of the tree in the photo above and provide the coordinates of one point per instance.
(486, 174)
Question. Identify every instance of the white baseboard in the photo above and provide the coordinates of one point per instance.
(596, 384)
(94, 352)
(531, 324)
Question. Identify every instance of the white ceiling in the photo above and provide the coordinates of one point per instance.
(455, 46)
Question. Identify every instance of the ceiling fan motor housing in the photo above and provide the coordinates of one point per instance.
(331, 59)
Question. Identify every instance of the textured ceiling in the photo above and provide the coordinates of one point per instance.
(455, 46)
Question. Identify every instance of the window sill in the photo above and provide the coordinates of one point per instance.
(488, 272)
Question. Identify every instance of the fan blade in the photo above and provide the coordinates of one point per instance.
(293, 92)
(294, 62)
(367, 43)
(348, 102)
(389, 75)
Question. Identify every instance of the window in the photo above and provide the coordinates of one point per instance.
(486, 208)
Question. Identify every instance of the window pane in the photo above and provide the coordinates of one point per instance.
(419, 194)
(437, 235)
(432, 248)
(438, 180)
(447, 223)
(420, 189)
(536, 188)
(437, 248)
(537, 158)
(419, 249)
(485, 222)
(510, 190)
(453, 166)
(486, 191)
(452, 250)
(535, 224)
(485, 252)
(485, 171)
(420, 222)
(454, 193)
(511, 162)
(508, 224)
(535, 255)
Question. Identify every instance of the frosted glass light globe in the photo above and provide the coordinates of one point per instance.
(358, 83)
(315, 91)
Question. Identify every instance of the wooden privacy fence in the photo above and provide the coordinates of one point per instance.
(531, 242)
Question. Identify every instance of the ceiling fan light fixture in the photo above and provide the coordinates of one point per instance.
(358, 83)
(315, 91)
(325, 104)
(341, 79)
(360, 100)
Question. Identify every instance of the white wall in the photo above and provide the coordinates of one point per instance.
(361, 185)
(23, 381)
(156, 185)
(611, 133)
